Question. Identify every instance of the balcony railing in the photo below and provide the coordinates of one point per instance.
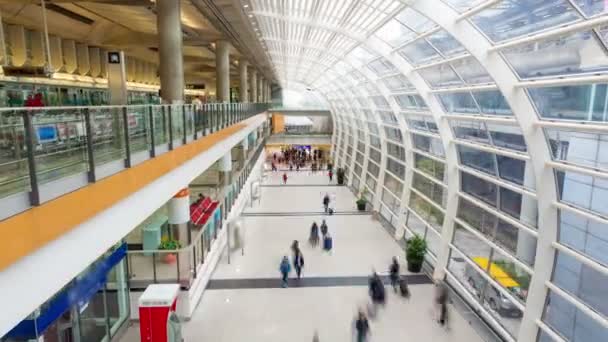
(151, 266)
(47, 152)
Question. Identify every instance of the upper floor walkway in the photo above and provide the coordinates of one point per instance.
(93, 175)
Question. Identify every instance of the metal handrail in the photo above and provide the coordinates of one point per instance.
(177, 122)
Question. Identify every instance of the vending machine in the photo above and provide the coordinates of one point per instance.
(157, 317)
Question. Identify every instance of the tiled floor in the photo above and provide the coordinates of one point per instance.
(243, 302)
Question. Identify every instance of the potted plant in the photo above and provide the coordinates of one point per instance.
(340, 175)
(169, 245)
(415, 249)
(361, 202)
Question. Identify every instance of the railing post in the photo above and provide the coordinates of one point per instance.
(195, 119)
(178, 266)
(152, 138)
(31, 162)
(125, 123)
(194, 260)
(90, 155)
(169, 107)
(154, 267)
(184, 124)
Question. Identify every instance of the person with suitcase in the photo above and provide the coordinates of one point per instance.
(394, 273)
(324, 229)
(326, 202)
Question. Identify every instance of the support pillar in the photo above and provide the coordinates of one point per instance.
(260, 80)
(243, 92)
(225, 169)
(117, 77)
(254, 86)
(171, 67)
(179, 216)
(222, 71)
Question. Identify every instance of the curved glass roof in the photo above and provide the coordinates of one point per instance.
(480, 125)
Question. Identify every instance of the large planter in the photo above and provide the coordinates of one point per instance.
(361, 206)
(340, 180)
(414, 266)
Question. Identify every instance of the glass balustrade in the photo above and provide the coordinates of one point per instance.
(42, 146)
(181, 265)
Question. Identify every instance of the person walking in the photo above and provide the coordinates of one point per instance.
(324, 229)
(284, 178)
(315, 337)
(442, 303)
(361, 327)
(376, 290)
(394, 273)
(298, 262)
(285, 268)
(326, 202)
(314, 235)
(331, 175)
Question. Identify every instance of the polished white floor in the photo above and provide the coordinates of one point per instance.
(360, 244)
(293, 314)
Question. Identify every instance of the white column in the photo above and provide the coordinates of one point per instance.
(170, 50)
(244, 85)
(254, 86)
(179, 215)
(222, 70)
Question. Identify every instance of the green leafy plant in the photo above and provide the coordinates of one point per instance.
(415, 249)
(169, 245)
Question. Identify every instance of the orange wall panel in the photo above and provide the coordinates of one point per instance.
(278, 123)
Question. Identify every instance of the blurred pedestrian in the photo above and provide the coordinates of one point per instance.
(314, 235)
(442, 302)
(285, 268)
(298, 262)
(284, 178)
(326, 202)
(394, 273)
(315, 337)
(361, 327)
(331, 175)
(324, 228)
(376, 289)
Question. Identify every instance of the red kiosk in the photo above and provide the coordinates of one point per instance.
(156, 309)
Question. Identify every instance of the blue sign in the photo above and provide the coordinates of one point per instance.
(78, 293)
(46, 133)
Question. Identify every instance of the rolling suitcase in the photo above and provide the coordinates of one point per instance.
(403, 288)
(328, 243)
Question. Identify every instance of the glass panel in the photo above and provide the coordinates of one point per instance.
(415, 224)
(427, 144)
(108, 135)
(471, 245)
(415, 20)
(591, 7)
(139, 129)
(506, 136)
(433, 242)
(394, 33)
(419, 52)
(426, 211)
(395, 151)
(498, 305)
(374, 141)
(393, 134)
(14, 169)
(479, 188)
(582, 282)
(373, 169)
(393, 184)
(440, 76)
(395, 167)
(59, 140)
(583, 191)
(446, 44)
(471, 130)
(388, 117)
(510, 276)
(582, 148)
(398, 82)
(582, 102)
(476, 159)
(513, 19)
(455, 103)
(511, 169)
(463, 5)
(375, 155)
(567, 55)
(430, 189)
(430, 167)
(371, 183)
(492, 102)
(586, 236)
(390, 200)
(471, 71)
(570, 322)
